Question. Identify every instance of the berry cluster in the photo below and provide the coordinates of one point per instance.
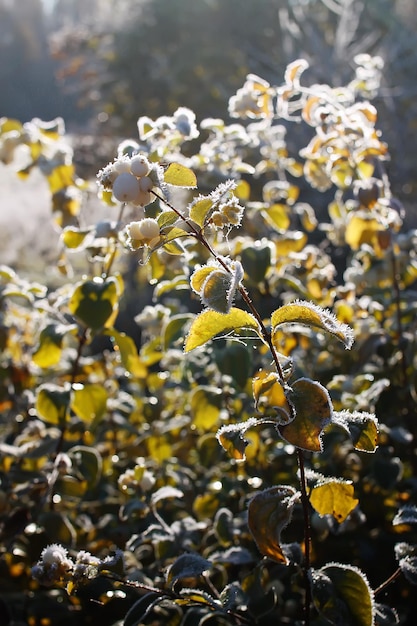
(131, 179)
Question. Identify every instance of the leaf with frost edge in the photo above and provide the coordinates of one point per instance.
(351, 568)
(326, 320)
(346, 417)
(224, 323)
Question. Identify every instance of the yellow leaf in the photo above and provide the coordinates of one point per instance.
(210, 323)
(304, 312)
(277, 216)
(180, 176)
(335, 498)
(362, 230)
(200, 209)
(89, 402)
(269, 394)
(205, 404)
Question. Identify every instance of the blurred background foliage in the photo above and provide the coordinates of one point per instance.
(101, 64)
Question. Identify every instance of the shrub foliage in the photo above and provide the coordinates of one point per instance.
(250, 460)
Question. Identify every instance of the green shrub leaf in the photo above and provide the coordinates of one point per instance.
(52, 403)
(94, 302)
(269, 512)
(361, 426)
(342, 595)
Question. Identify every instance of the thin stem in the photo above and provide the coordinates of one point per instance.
(307, 536)
(200, 237)
(114, 239)
(400, 330)
(389, 580)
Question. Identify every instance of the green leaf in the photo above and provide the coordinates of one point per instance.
(205, 405)
(52, 403)
(361, 426)
(167, 218)
(180, 176)
(304, 312)
(57, 528)
(210, 323)
(94, 302)
(89, 402)
(269, 512)
(173, 330)
(86, 463)
(342, 595)
(199, 210)
(313, 411)
(256, 261)
(186, 567)
(128, 351)
(334, 497)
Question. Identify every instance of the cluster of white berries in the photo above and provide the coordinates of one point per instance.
(131, 179)
(145, 232)
(55, 566)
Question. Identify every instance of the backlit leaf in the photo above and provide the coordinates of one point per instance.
(205, 404)
(128, 351)
(48, 352)
(73, 238)
(313, 412)
(342, 595)
(361, 426)
(269, 512)
(362, 230)
(304, 312)
(231, 438)
(269, 394)
(277, 216)
(61, 177)
(52, 403)
(94, 302)
(180, 176)
(199, 210)
(210, 323)
(89, 402)
(334, 497)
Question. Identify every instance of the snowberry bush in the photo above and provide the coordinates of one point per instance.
(250, 459)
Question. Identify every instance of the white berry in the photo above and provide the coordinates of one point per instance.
(126, 187)
(139, 166)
